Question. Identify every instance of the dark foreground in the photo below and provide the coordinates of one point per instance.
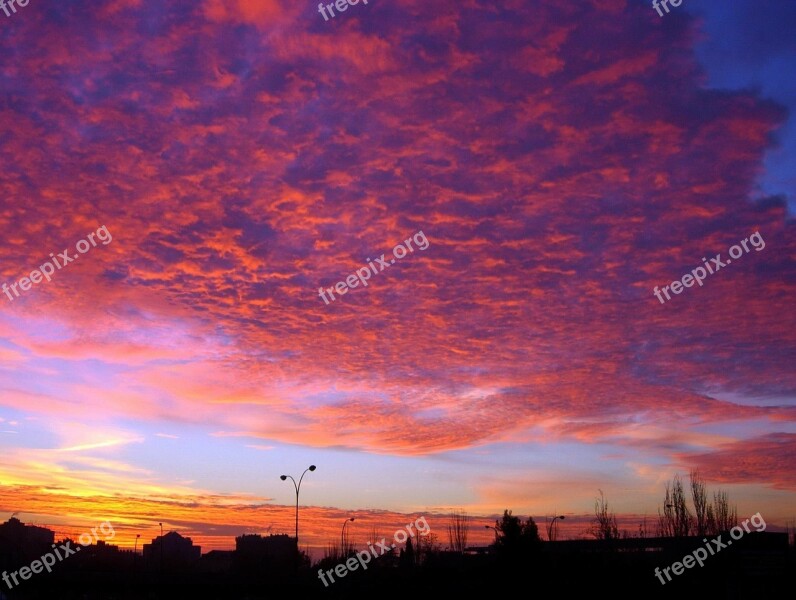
(758, 567)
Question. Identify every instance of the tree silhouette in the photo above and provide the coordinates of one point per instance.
(509, 531)
(458, 529)
(514, 536)
(708, 518)
(704, 519)
(407, 557)
(725, 516)
(604, 525)
(676, 519)
(530, 535)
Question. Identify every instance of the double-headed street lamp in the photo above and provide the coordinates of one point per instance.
(298, 487)
(550, 529)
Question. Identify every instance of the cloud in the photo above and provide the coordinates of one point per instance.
(103, 444)
(562, 161)
(768, 459)
(259, 446)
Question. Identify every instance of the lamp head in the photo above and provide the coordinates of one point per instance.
(312, 467)
(283, 477)
(562, 517)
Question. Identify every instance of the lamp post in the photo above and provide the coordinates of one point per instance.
(298, 488)
(496, 531)
(342, 535)
(550, 528)
(135, 550)
(161, 546)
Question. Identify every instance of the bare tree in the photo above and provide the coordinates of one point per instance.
(425, 546)
(683, 519)
(726, 517)
(604, 525)
(709, 518)
(702, 509)
(458, 530)
(642, 528)
(676, 519)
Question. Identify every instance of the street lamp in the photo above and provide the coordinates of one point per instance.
(298, 488)
(496, 531)
(161, 546)
(550, 529)
(135, 550)
(342, 535)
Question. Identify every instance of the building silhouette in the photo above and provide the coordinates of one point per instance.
(171, 552)
(256, 554)
(217, 562)
(21, 544)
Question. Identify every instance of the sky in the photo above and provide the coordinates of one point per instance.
(216, 164)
